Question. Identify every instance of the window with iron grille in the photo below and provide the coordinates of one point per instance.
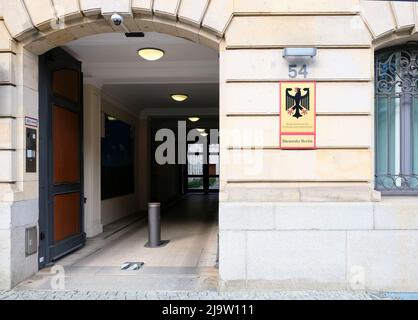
(396, 117)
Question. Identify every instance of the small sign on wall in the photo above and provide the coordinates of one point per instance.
(298, 115)
(31, 122)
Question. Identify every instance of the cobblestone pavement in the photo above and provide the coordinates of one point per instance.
(209, 295)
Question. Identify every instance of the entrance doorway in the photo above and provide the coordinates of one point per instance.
(61, 156)
(123, 103)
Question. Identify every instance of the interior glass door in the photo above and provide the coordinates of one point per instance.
(202, 174)
(195, 168)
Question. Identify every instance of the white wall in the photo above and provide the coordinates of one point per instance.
(92, 132)
(117, 208)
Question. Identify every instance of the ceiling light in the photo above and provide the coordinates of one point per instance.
(201, 130)
(179, 97)
(194, 119)
(204, 134)
(151, 54)
(110, 118)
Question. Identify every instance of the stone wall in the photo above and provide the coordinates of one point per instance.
(310, 219)
(335, 246)
(18, 190)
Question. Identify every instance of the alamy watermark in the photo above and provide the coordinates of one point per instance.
(172, 148)
(58, 279)
(357, 278)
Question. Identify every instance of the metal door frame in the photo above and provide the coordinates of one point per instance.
(205, 176)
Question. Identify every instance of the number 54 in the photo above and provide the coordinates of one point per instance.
(293, 71)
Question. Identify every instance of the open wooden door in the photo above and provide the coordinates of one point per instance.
(61, 156)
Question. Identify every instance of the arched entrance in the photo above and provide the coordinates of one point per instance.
(109, 173)
(38, 29)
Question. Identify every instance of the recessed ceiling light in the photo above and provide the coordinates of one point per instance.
(179, 97)
(194, 119)
(201, 130)
(204, 134)
(151, 54)
(110, 118)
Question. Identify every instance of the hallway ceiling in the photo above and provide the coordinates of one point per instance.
(157, 96)
(111, 61)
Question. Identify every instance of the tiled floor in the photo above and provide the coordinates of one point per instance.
(191, 227)
(187, 263)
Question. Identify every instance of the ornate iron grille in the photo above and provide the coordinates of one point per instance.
(397, 120)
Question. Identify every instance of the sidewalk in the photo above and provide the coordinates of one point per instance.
(206, 295)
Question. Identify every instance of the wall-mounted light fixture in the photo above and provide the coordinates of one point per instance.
(299, 52)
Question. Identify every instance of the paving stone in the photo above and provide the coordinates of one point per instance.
(200, 295)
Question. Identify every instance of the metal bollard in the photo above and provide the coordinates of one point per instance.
(154, 226)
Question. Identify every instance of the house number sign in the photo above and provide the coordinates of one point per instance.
(296, 71)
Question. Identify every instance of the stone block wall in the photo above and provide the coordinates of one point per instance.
(334, 246)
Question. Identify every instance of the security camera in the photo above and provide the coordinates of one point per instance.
(117, 19)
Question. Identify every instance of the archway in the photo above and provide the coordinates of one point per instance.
(37, 32)
(124, 175)
(114, 72)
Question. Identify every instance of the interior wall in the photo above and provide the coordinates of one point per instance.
(120, 207)
(143, 164)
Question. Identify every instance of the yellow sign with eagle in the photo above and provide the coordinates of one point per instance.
(297, 115)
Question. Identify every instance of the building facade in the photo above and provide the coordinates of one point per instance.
(343, 215)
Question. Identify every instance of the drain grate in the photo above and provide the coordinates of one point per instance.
(132, 266)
